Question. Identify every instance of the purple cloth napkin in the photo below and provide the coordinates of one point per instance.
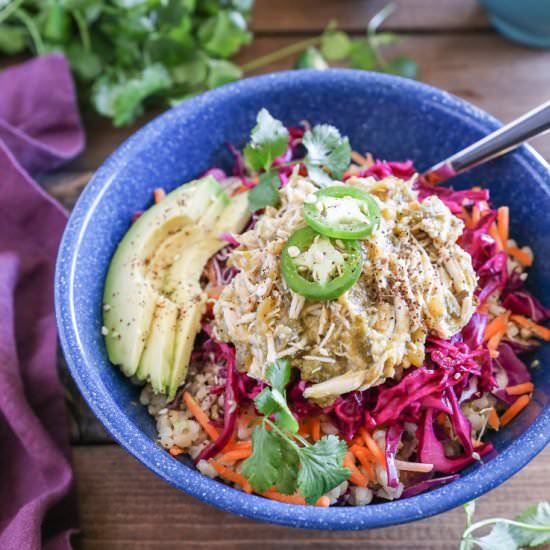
(39, 129)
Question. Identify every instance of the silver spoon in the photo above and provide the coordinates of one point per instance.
(498, 143)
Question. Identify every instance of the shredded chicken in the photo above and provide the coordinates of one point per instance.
(415, 280)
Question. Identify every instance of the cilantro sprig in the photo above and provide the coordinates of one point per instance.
(529, 530)
(128, 55)
(328, 154)
(282, 458)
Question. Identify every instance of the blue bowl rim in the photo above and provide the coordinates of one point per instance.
(147, 451)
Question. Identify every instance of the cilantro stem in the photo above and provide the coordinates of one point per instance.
(32, 29)
(10, 9)
(271, 57)
(82, 29)
(483, 523)
(280, 432)
(372, 29)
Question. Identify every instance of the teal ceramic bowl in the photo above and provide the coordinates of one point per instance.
(524, 21)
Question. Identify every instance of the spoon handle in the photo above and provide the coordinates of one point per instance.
(501, 141)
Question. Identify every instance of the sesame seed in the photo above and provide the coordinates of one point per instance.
(476, 456)
(106, 307)
(104, 330)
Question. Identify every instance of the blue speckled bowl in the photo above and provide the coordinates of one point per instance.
(391, 117)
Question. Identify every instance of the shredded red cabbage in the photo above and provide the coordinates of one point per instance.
(431, 450)
(515, 369)
(524, 303)
(228, 238)
(427, 484)
(225, 355)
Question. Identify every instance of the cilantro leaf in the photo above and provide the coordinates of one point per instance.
(266, 193)
(287, 482)
(328, 149)
(221, 72)
(311, 59)
(278, 374)
(499, 538)
(536, 516)
(262, 467)
(122, 98)
(269, 140)
(321, 467)
(224, 33)
(12, 39)
(335, 45)
(265, 404)
(284, 419)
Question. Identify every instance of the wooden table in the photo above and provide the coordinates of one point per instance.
(122, 504)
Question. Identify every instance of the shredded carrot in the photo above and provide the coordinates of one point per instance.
(175, 450)
(515, 408)
(323, 502)
(304, 428)
(230, 475)
(539, 330)
(422, 467)
(289, 499)
(358, 158)
(159, 194)
(200, 415)
(520, 389)
(239, 190)
(363, 455)
(483, 308)
(497, 326)
(356, 477)
(524, 258)
(493, 343)
(373, 447)
(476, 215)
(467, 218)
(493, 419)
(238, 446)
(315, 426)
(503, 221)
(493, 231)
(232, 456)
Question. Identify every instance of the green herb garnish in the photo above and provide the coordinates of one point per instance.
(268, 140)
(328, 154)
(529, 530)
(280, 457)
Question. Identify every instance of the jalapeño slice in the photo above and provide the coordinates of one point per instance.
(318, 267)
(342, 212)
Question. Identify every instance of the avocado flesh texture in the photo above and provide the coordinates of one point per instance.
(182, 284)
(158, 356)
(129, 292)
(164, 273)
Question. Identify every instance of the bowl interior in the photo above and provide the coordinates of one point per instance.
(391, 118)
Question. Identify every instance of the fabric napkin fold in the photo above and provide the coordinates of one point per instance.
(39, 129)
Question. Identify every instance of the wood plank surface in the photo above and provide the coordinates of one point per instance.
(291, 16)
(123, 505)
(494, 74)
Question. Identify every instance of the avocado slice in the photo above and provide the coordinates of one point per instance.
(182, 284)
(152, 292)
(130, 294)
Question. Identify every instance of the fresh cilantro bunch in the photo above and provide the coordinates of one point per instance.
(127, 54)
(337, 48)
(328, 155)
(529, 530)
(280, 457)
